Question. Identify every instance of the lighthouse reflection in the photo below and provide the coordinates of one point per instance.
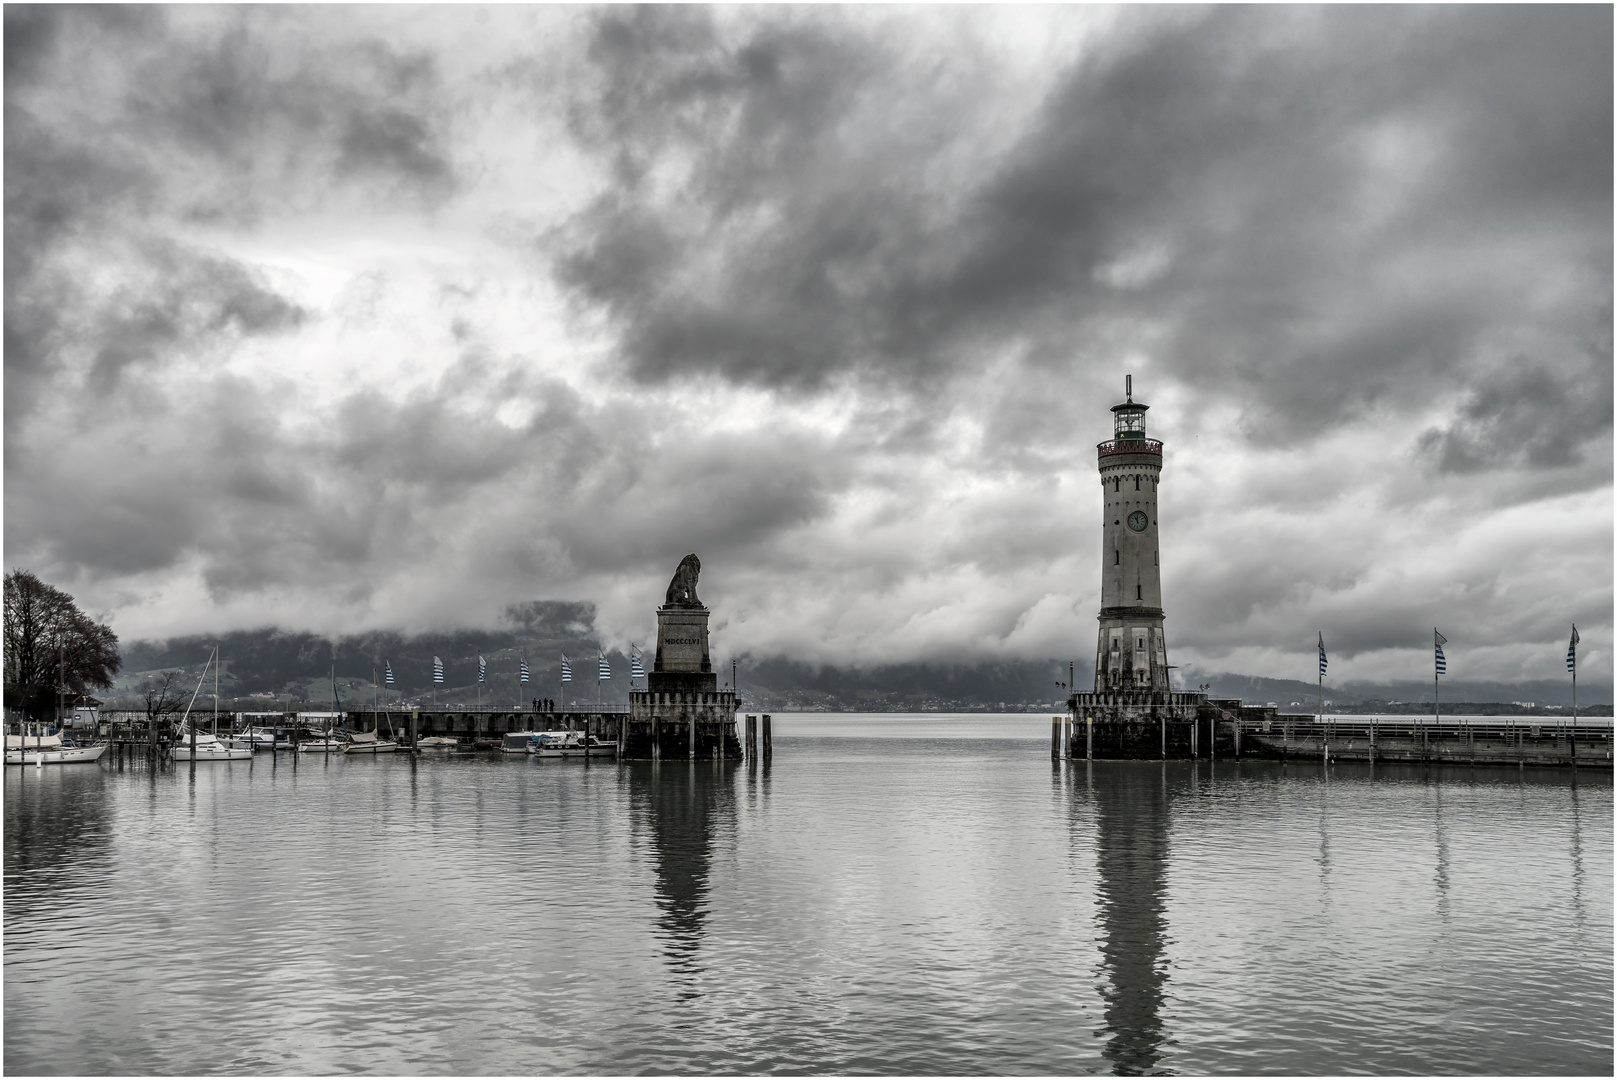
(1130, 802)
(681, 805)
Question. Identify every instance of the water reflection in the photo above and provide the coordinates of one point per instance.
(1131, 864)
(681, 805)
(56, 819)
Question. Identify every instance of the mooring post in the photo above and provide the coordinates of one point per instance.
(656, 737)
(1164, 738)
(1089, 737)
(769, 748)
(693, 738)
(1195, 730)
(1055, 738)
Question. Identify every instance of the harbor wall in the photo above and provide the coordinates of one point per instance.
(1145, 726)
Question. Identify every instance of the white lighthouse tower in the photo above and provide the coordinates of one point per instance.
(1131, 653)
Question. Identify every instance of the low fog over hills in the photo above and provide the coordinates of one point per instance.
(276, 669)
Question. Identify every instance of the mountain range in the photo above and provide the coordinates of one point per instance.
(283, 669)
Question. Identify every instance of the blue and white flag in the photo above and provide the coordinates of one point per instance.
(387, 668)
(1572, 652)
(482, 668)
(1322, 654)
(522, 669)
(566, 669)
(606, 669)
(437, 671)
(636, 670)
(1438, 642)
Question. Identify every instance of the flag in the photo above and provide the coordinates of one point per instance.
(388, 668)
(636, 670)
(523, 669)
(1572, 652)
(437, 671)
(482, 668)
(1438, 642)
(606, 669)
(1322, 654)
(566, 669)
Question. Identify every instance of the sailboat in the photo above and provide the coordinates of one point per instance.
(37, 748)
(193, 745)
(370, 742)
(327, 743)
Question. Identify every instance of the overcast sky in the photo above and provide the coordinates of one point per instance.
(358, 317)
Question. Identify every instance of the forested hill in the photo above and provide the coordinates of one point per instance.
(279, 669)
(297, 667)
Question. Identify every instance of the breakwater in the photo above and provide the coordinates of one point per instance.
(1222, 732)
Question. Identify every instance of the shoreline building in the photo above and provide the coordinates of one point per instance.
(1133, 710)
(682, 713)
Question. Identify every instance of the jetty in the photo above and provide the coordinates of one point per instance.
(1225, 728)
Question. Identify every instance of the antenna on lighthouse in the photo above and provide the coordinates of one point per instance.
(1128, 385)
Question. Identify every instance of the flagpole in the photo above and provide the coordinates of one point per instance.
(1574, 739)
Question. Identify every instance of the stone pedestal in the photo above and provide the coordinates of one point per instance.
(681, 713)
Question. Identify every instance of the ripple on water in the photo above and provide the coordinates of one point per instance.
(922, 902)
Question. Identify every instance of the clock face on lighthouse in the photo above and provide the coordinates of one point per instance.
(1138, 521)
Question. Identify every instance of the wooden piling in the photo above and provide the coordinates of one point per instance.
(768, 740)
(692, 723)
(1164, 738)
(1089, 738)
(1055, 738)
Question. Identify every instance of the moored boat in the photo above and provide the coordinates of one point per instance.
(206, 748)
(516, 742)
(49, 750)
(366, 742)
(436, 742)
(570, 744)
(257, 739)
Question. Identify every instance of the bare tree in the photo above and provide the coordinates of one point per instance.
(162, 699)
(51, 646)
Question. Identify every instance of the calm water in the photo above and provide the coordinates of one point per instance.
(897, 895)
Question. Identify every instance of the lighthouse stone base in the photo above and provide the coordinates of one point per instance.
(1134, 724)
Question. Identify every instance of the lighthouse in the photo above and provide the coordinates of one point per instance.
(1133, 711)
(1131, 653)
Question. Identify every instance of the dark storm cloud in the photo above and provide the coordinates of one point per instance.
(1527, 415)
(1244, 141)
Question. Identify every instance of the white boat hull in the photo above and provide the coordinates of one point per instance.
(320, 746)
(213, 752)
(600, 750)
(61, 755)
(371, 748)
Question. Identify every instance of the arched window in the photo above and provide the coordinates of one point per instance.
(1117, 557)
(1136, 483)
(1139, 593)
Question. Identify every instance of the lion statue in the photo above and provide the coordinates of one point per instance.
(682, 590)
